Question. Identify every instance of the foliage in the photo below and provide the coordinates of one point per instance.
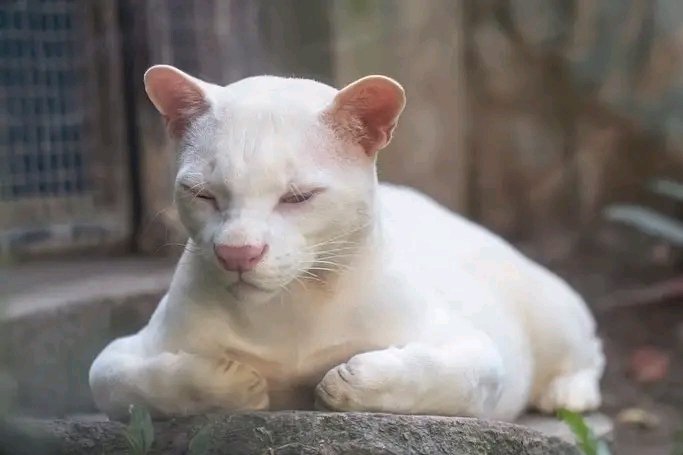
(648, 220)
(140, 431)
(667, 188)
(201, 441)
(585, 438)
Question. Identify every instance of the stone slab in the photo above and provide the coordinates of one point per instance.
(293, 432)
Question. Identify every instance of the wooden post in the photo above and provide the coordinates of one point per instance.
(421, 44)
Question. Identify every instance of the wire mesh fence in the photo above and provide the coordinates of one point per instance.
(41, 145)
(48, 149)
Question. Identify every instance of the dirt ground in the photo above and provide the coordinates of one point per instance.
(638, 304)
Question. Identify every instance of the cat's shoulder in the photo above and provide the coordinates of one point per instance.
(408, 205)
(410, 216)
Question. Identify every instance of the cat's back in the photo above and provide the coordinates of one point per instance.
(449, 253)
(418, 225)
(427, 241)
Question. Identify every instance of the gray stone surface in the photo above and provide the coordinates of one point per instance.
(305, 433)
(48, 285)
(57, 316)
(528, 115)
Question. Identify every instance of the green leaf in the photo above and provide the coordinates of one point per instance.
(140, 431)
(588, 443)
(668, 188)
(201, 441)
(603, 448)
(647, 221)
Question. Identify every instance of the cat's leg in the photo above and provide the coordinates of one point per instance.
(578, 392)
(172, 384)
(465, 378)
(569, 358)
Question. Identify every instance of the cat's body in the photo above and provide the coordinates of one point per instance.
(384, 301)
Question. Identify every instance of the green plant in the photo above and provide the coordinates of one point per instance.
(648, 220)
(585, 438)
(140, 431)
(201, 441)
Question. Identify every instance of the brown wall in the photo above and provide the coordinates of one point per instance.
(527, 115)
(422, 46)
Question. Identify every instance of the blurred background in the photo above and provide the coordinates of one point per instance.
(556, 123)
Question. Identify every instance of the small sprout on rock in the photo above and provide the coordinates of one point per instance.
(201, 441)
(140, 431)
(585, 438)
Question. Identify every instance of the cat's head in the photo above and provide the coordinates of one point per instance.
(276, 176)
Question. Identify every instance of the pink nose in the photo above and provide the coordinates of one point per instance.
(240, 258)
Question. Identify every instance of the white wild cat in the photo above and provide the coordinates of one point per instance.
(306, 283)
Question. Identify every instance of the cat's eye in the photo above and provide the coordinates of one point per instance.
(200, 194)
(205, 196)
(297, 197)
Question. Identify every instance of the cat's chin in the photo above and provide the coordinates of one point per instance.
(246, 290)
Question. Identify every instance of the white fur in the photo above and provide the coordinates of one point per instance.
(371, 297)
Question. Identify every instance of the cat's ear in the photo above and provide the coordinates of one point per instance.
(366, 111)
(179, 97)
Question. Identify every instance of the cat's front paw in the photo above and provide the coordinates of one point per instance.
(245, 378)
(365, 383)
(226, 384)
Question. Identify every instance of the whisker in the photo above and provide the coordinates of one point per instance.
(330, 263)
(334, 256)
(312, 276)
(331, 243)
(301, 283)
(185, 246)
(338, 250)
(200, 186)
(325, 269)
(344, 234)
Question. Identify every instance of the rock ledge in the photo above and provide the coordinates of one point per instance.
(296, 432)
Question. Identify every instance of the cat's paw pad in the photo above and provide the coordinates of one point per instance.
(241, 375)
(339, 390)
(252, 388)
(225, 384)
(361, 384)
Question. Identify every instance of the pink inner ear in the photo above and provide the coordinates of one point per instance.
(178, 99)
(367, 112)
(378, 110)
(188, 105)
